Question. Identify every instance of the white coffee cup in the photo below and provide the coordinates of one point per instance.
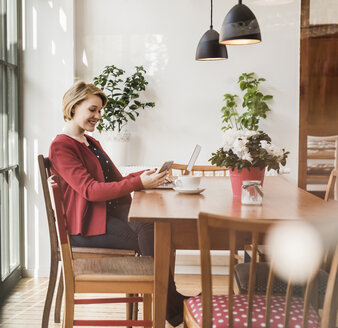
(188, 182)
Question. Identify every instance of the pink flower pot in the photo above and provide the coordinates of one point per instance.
(236, 178)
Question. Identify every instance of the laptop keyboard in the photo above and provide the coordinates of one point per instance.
(166, 185)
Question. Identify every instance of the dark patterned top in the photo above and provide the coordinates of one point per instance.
(108, 173)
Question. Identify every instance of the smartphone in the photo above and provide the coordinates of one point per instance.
(165, 166)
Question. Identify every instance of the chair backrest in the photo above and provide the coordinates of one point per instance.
(61, 224)
(322, 158)
(329, 194)
(202, 170)
(44, 166)
(232, 228)
(323, 147)
(329, 314)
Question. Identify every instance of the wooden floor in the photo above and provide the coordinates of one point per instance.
(24, 306)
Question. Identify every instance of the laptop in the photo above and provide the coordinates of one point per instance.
(191, 163)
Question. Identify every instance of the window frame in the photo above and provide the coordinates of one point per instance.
(10, 148)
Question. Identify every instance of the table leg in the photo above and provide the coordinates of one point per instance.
(162, 264)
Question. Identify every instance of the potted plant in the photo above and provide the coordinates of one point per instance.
(254, 105)
(122, 94)
(123, 105)
(246, 151)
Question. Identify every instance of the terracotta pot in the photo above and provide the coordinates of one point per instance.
(255, 173)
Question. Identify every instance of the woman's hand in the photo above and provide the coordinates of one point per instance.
(151, 179)
(169, 179)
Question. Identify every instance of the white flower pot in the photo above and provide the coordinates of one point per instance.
(116, 145)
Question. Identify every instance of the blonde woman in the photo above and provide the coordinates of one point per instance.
(96, 195)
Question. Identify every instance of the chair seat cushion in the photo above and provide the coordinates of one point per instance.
(240, 309)
(242, 273)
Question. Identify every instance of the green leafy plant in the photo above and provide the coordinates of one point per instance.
(244, 146)
(246, 149)
(122, 94)
(254, 105)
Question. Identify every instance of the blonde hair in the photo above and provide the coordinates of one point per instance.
(76, 94)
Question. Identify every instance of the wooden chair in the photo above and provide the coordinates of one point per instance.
(329, 194)
(202, 170)
(252, 310)
(322, 158)
(78, 252)
(127, 274)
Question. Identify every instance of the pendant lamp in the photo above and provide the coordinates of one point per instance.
(240, 26)
(209, 48)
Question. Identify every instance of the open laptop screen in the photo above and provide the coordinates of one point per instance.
(193, 159)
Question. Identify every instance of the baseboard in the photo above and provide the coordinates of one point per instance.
(31, 273)
(188, 262)
(196, 269)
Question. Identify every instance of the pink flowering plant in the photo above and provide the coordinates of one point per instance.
(244, 146)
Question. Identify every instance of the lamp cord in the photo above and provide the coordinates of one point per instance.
(211, 16)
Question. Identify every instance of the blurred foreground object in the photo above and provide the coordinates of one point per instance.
(256, 309)
(296, 250)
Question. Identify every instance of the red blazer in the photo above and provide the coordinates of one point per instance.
(82, 182)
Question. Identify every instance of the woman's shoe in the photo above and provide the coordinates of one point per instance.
(176, 319)
(175, 309)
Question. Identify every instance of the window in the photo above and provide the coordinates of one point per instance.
(9, 145)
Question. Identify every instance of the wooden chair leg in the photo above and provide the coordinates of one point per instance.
(129, 309)
(68, 316)
(54, 263)
(58, 300)
(135, 310)
(172, 261)
(147, 304)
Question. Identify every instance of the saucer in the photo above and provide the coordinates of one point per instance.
(189, 191)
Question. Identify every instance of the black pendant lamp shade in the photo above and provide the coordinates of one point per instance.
(209, 47)
(240, 26)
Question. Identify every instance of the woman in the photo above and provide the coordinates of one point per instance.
(97, 197)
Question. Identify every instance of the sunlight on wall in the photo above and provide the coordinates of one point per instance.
(156, 53)
(36, 239)
(25, 155)
(84, 58)
(98, 56)
(50, 52)
(36, 167)
(25, 202)
(35, 28)
(23, 4)
(25, 211)
(53, 47)
(63, 20)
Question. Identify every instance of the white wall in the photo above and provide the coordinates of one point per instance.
(47, 73)
(323, 12)
(162, 36)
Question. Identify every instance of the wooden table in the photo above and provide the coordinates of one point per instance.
(175, 219)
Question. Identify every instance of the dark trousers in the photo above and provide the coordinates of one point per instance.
(121, 234)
